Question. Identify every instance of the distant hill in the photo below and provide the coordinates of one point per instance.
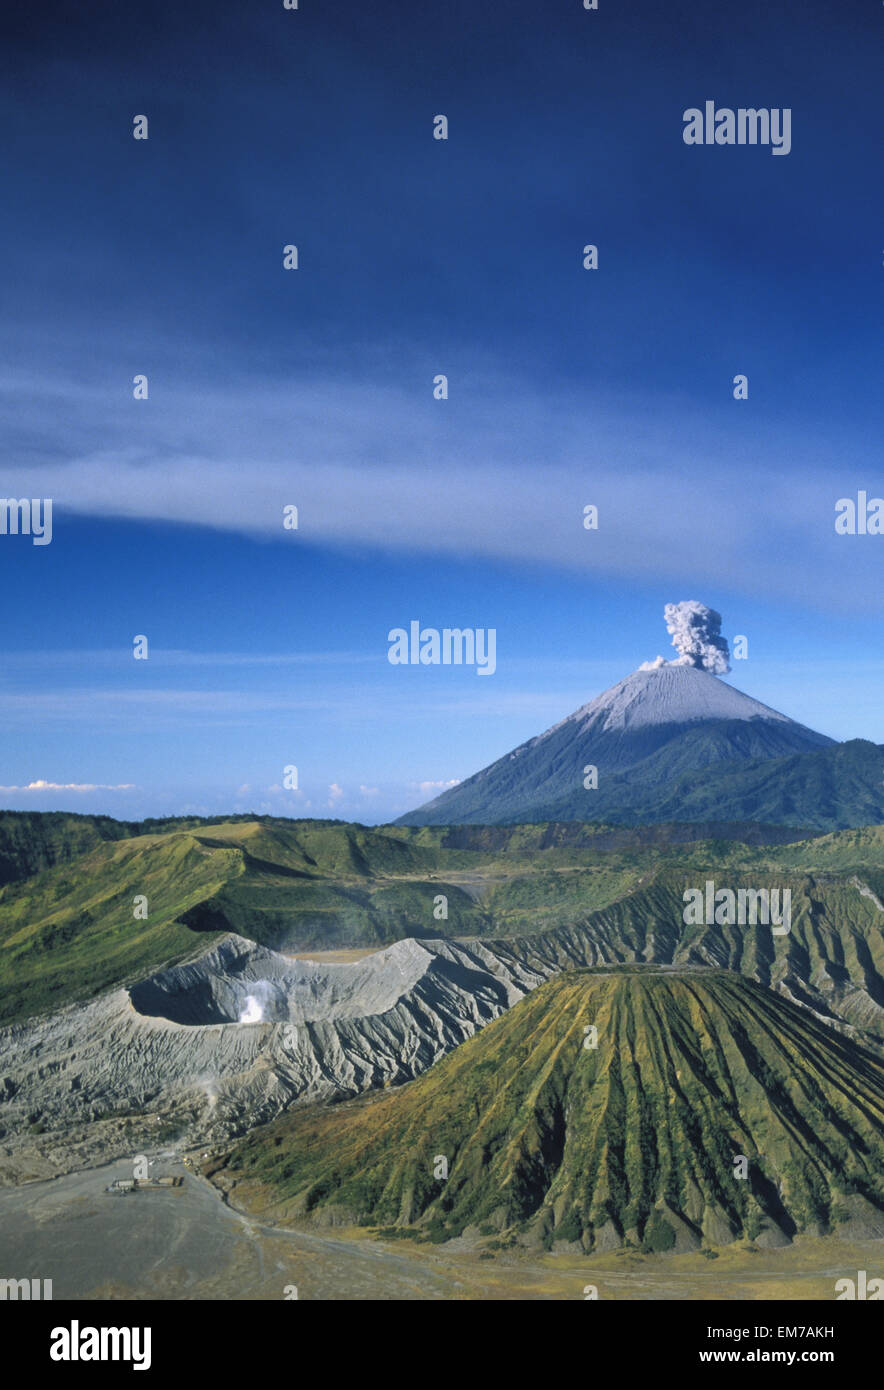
(672, 744)
(31, 841)
(635, 1141)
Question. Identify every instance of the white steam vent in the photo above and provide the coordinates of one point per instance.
(258, 1006)
(253, 1011)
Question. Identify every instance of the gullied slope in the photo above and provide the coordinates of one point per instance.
(699, 776)
(637, 1139)
(831, 959)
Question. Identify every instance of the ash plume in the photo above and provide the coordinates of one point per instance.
(696, 636)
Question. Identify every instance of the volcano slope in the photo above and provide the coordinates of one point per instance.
(550, 1141)
(672, 744)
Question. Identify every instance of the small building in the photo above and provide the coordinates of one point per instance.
(124, 1185)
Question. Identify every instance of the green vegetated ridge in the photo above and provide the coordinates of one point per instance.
(634, 1141)
(69, 931)
(825, 790)
(326, 885)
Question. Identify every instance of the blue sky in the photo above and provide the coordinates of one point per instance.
(314, 387)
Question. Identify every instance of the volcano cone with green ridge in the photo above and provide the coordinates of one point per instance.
(636, 1140)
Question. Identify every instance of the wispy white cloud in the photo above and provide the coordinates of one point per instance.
(503, 474)
(41, 786)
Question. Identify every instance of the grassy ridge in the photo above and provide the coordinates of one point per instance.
(71, 933)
